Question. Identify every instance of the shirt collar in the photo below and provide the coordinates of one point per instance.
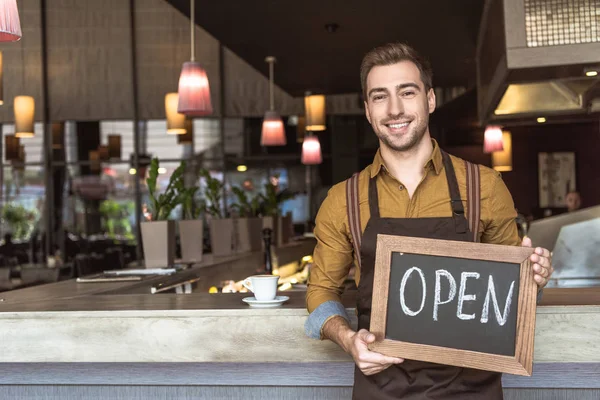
(435, 159)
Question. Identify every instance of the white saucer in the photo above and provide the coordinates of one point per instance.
(276, 302)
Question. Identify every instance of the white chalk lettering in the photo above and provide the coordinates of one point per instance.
(407, 310)
(452, 291)
(462, 297)
(491, 293)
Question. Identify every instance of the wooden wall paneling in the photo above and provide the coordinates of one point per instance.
(89, 60)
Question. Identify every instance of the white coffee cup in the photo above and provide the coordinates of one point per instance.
(264, 287)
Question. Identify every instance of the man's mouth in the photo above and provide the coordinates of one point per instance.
(397, 125)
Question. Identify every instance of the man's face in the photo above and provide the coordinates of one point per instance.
(397, 105)
(573, 201)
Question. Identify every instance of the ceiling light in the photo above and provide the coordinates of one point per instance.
(132, 171)
(242, 168)
(541, 120)
(591, 73)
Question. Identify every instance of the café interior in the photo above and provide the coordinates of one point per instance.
(155, 153)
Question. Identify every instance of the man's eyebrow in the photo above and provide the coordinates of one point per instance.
(376, 90)
(407, 85)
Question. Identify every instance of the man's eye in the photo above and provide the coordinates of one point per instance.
(378, 97)
(408, 94)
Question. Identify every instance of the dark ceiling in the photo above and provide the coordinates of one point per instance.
(311, 58)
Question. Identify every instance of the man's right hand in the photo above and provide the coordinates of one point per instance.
(369, 362)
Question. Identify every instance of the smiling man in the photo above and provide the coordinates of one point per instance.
(412, 188)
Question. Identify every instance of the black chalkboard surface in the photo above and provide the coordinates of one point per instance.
(455, 303)
(467, 306)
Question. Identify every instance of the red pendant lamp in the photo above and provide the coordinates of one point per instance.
(492, 140)
(10, 25)
(273, 131)
(194, 90)
(311, 150)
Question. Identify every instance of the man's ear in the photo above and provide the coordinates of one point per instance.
(431, 100)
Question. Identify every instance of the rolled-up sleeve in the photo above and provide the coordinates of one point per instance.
(332, 260)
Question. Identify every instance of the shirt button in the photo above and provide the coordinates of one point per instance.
(401, 187)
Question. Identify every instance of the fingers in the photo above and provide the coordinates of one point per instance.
(526, 242)
(370, 362)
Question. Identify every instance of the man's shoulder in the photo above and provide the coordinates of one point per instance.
(337, 193)
(486, 174)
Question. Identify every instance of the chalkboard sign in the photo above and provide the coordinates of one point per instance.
(455, 303)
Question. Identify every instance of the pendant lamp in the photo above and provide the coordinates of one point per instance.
(24, 107)
(311, 150)
(175, 120)
(314, 105)
(273, 131)
(194, 90)
(492, 140)
(502, 160)
(10, 25)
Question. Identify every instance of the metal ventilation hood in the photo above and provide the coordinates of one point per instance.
(534, 61)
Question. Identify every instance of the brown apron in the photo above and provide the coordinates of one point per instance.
(417, 379)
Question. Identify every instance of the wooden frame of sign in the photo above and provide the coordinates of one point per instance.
(519, 364)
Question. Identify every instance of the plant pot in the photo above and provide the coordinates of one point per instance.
(248, 234)
(191, 234)
(158, 239)
(221, 236)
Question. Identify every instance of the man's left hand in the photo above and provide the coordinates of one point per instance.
(542, 266)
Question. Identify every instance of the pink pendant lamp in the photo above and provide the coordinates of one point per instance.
(194, 90)
(273, 131)
(311, 151)
(492, 140)
(10, 25)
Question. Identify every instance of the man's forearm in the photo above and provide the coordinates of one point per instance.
(338, 331)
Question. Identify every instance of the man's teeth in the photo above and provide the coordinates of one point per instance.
(398, 126)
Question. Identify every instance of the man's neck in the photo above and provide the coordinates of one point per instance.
(407, 166)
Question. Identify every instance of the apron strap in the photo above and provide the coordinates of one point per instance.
(473, 199)
(458, 211)
(353, 211)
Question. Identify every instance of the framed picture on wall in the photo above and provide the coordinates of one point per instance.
(557, 177)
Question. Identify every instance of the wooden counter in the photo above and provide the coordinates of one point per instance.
(74, 340)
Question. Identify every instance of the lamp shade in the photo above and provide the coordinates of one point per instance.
(24, 111)
(11, 147)
(273, 131)
(1, 80)
(188, 136)
(492, 140)
(194, 91)
(311, 151)
(502, 160)
(175, 120)
(314, 106)
(114, 146)
(10, 25)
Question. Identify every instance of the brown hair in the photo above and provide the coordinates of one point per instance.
(392, 53)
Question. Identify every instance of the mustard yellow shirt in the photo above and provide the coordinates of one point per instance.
(334, 255)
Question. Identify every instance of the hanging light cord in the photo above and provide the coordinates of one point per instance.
(192, 27)
(271, 72)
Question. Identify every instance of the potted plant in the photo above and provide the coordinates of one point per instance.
(220, 227)
(158, 234)
(248, 225)
(191, 227)
(271, 210)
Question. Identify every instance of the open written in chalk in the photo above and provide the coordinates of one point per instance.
(455, 303)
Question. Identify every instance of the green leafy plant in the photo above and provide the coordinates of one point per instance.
(212, 194)
(192, 207)
(116, 217)
(162, 204)
(19, 220)
(244, 206)
(273, 198)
